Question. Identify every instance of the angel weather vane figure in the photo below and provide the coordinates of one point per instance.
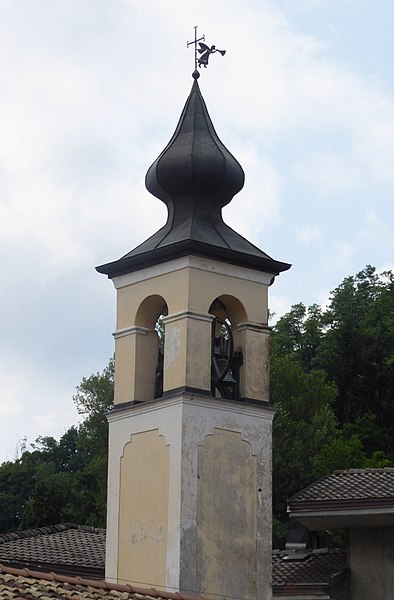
(204, 50)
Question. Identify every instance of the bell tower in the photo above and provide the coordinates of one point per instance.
(189, 487)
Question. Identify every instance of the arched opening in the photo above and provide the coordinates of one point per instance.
(151, 347)
(226, 351)
(231, 307)
(150, 310)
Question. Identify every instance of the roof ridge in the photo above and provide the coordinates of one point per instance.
(312, 551)
(99, 584)
(366, 470)
(36, 531)
(90, 528)
(47, 530)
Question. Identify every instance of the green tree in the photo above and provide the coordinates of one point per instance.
(357, 350)
(63, 480)
(94, 398)
(304, 423)
(51, 498)
(345, 453)
(298, 334)
(332, 384)
(16, 485)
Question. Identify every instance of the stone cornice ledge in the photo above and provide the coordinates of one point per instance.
(264, 412)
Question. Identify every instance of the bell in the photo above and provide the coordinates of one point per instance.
(228, 380)
(219, 366)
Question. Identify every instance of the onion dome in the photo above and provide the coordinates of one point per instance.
(195, 172)
(195, 176)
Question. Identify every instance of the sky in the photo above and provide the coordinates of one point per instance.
(91, 92)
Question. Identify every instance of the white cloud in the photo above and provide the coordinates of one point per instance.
(323, 297)
(32, 405)
(360, 112)
(375, 229)
(12, 390)
(330, 173)
(257, 206)
(388, 266)
(89, 96)
(279, 306)
(339, 259)
(307, 233)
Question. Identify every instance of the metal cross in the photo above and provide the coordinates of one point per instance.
(195, 41)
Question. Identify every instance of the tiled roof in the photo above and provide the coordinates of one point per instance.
(321, 570)
(317, 567)
(353, 487)
(18, 584)
(67, 548)
(74, 550)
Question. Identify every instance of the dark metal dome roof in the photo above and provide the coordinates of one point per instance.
(195, 171)
(195, 176)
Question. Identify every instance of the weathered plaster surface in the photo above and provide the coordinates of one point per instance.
(371, 559)
(226, 515)
(136, 352)
(254, 341)
(253, 423)
(186, 363)
(185, 423)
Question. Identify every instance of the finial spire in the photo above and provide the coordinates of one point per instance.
(204, 50)
(195, 41)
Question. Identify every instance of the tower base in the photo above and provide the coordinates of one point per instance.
(189, 501)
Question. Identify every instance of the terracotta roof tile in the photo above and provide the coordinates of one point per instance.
(316, 572)
(23, 583)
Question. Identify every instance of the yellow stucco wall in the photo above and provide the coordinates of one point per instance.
(185, 295)
(143, 510)
(195, 289)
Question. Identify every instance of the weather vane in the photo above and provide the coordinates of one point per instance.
(204, 50)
